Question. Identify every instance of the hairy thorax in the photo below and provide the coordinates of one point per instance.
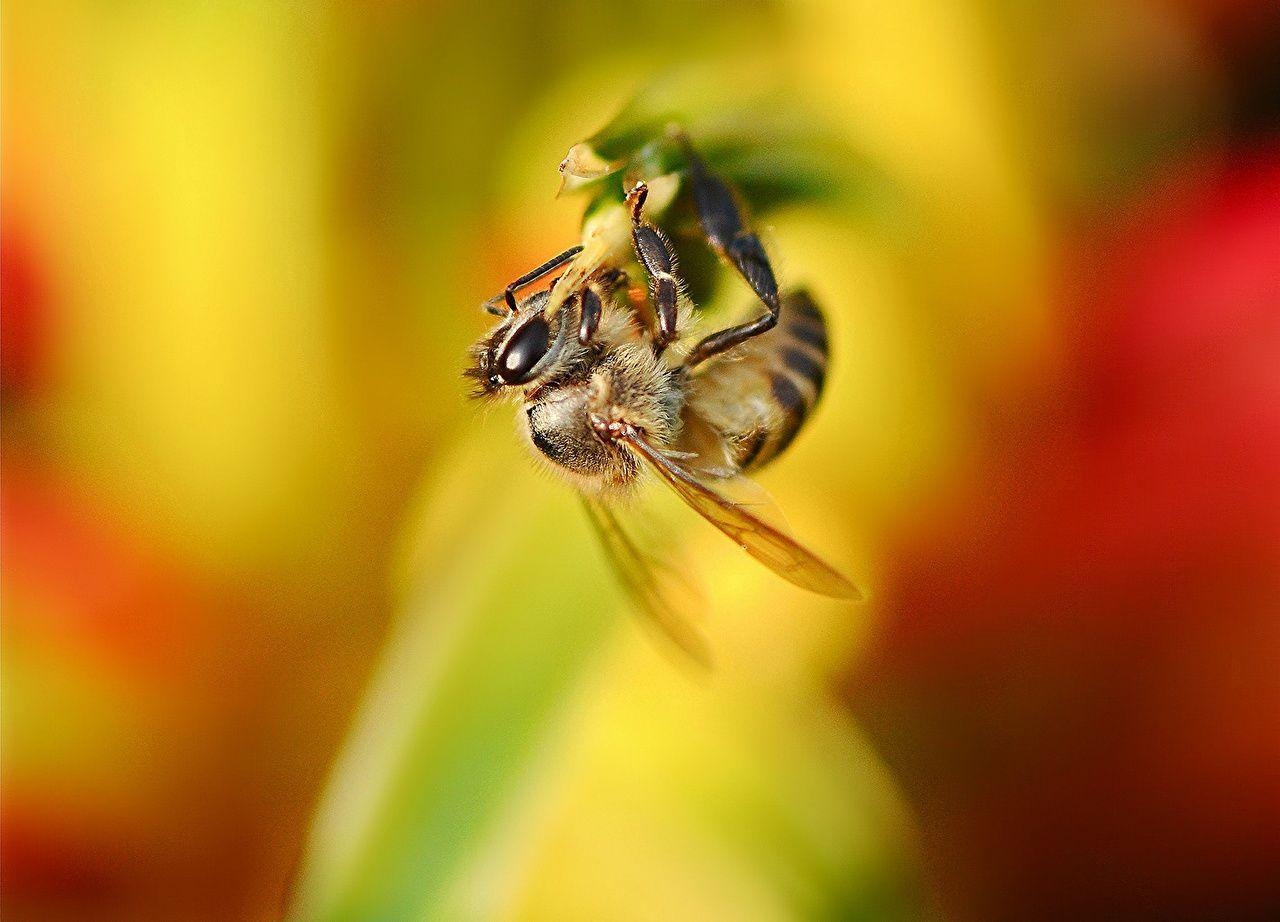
(627, 385)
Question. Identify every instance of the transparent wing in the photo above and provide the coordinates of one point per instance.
(641, 577)
(767, 543)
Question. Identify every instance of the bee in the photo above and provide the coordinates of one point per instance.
(609, 382)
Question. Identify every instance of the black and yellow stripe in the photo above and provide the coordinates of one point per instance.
(795, 356)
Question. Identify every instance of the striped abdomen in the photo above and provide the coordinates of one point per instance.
(759, 395)
(796, 369)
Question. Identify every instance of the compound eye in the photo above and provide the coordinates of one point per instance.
(524, 351)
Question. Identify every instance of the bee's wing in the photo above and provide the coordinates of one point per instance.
(643, 579)
(767, 543)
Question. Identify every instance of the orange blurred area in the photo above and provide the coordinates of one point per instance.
(292, 629)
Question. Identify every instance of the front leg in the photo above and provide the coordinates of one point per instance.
(594, 295)
(658, 258)
(509, 293)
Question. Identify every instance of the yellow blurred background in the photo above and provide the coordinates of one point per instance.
(293, 629)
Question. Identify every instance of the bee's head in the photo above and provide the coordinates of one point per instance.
(520, 349)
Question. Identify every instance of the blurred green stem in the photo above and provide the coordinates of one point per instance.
(494, 635)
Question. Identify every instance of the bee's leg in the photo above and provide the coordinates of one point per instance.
(733, 336)
(592, 307)
(509, 294)
(594, 294)
(722, 223)
(659, 260)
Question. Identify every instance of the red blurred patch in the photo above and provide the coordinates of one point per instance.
(1193, 280)
(1078, 679)
(77, 576)
(53, 852)
(25, 306)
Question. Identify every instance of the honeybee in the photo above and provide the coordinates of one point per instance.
(609, 381)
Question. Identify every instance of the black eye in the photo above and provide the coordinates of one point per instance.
(524, 351)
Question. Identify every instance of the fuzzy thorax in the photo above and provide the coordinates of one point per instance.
(626, 385)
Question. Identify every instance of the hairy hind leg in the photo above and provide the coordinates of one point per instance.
(723, 226)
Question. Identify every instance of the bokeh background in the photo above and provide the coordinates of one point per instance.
(290, 628)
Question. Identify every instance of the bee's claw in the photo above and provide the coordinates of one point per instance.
(636, 199)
